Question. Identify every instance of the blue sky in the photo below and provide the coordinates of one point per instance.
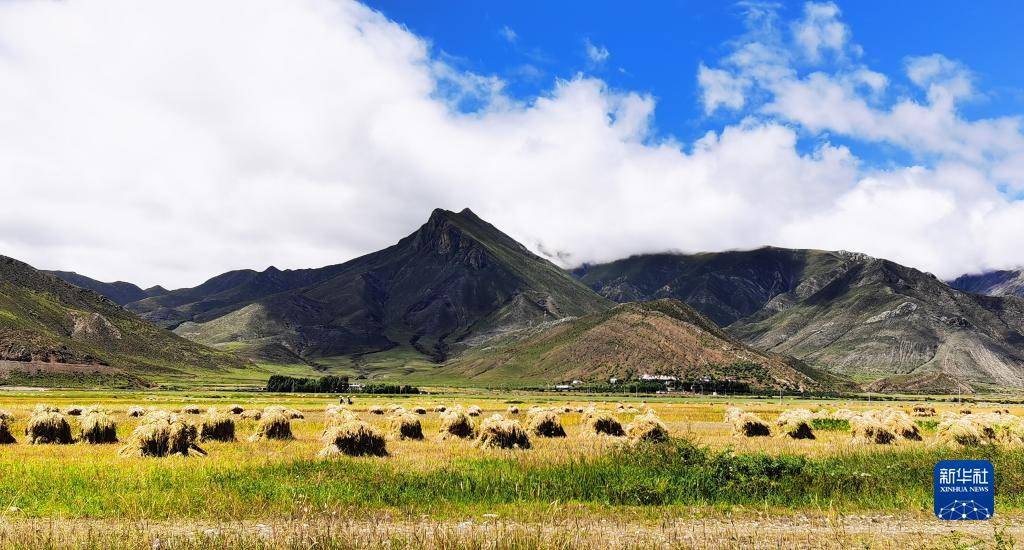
(655, 47)
(309, 132)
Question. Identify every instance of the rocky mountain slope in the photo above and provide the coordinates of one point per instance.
(659, 337)
(45, 320)
(849, 313)
(993, 283)
(456, 278)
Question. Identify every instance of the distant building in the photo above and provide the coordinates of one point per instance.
(657, 378)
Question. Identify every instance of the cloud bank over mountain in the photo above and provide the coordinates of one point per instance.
(169, 141)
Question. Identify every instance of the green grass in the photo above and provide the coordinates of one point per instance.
(676, 474)
(831, 424)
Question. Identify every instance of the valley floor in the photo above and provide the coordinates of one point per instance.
(706, 488)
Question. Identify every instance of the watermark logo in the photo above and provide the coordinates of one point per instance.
(964, 490)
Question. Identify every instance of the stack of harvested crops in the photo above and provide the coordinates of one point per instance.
(235, 409)
(98, 427)
(440, 408)
(546, 424)
(162, 435)
(191, 409)
(419, 410)
(796, 424)
(602, 423)
(922, 410)
(901, 424)
(406, 426)
(512, 409)
(748, 424)
(251, 414)
(48, 425)
(273, 424)
(376, 409)
(6, 437)
(136, 411)
(647, 428)
(455, 423)
(732, 414)
(6, 415)
(73, 410)
(473, 410)
(217, 427)
(870, 428)
(963, 431)
(502, 433)
(842, 414)
(353, 438)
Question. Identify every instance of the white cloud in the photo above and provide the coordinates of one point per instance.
(595, 53)
(820, 30)
(508, 34)
(720, 89)
(306, 133)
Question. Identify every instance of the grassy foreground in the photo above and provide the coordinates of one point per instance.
(675, 474)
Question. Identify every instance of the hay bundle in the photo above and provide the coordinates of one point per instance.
(748, 424)
(376, 409)
(502, 433)
(419, 410)
(732, 413)
(407, 426)
(901, 424)
(235, 409)
(46, 425)
(97, 428)
(395, 409)
(546, 424)
(136, 411)
(843, 414)
(456, 423)
(869, 428)
(274, 424)
(602, 423)
(512, 409)
(1010, 432)
(162, 435)
(922, 410)
(354, 438)
(6, 437)
(959, 431)
(965, 411)
(796, 424)
(73, 410)
(473, 410)
(6, 415)
(647, 428)
(191, 409)
(251, 414)
(440, 408)
(217, 427)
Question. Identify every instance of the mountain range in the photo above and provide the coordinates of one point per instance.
(51, 328)
(467, 297)
(993, 283)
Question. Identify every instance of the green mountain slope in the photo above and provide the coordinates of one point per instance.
(849, 313)
(455, 279)
(44, 319)
(659, 337)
